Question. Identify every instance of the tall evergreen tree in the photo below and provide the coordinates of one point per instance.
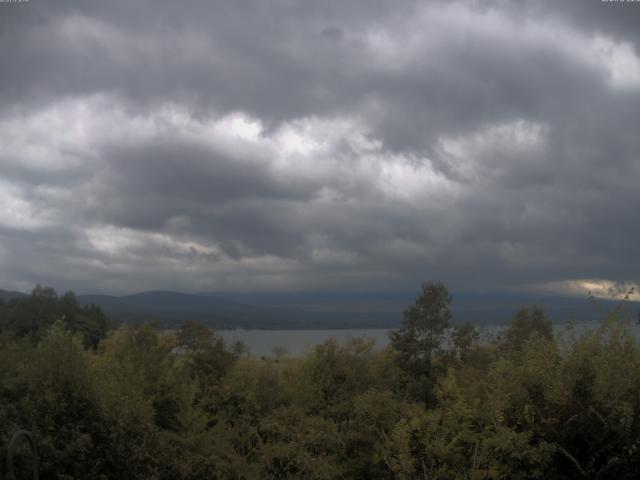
(420, 335)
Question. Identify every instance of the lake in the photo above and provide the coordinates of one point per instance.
(296, 342)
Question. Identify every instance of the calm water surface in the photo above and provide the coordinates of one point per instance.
(296, 342)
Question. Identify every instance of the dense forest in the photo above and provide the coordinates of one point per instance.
(441, 402)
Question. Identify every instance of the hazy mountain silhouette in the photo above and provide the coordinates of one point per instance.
(8, 295)
(326, 310)
(334, 309)
(172, 308)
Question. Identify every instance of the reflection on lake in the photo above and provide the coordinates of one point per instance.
(296, 342)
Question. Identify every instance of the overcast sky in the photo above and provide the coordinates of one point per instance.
(319, 145)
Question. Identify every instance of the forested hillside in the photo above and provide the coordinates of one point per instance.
(138, 403)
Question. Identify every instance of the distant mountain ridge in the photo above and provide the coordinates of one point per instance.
(8, 295)
(327, 310)
(486, 308)
(172, 308)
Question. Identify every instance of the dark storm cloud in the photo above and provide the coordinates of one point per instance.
(297, 145)
(185, 176)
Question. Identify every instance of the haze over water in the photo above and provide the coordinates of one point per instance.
(297, 342)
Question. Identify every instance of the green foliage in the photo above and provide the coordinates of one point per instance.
(419, 339)
(524, 325)
(464, 338)
(206, 355)
(31, 317)
(146, 404)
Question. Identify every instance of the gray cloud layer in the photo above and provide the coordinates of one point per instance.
(301, 145)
